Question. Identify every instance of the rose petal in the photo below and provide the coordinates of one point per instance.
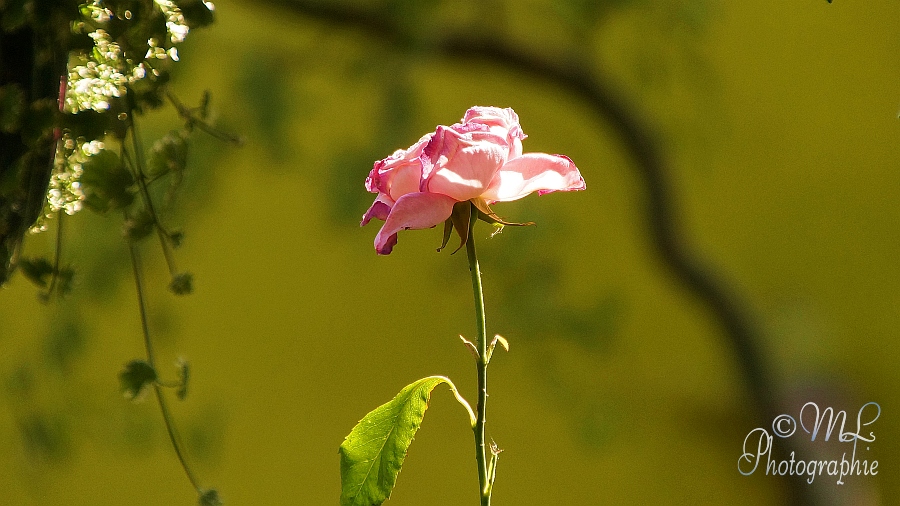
(501, 122)
(399, 173)
(506, 119)
(412, 211)
(534, 172)
(462, 163)
(379, 209)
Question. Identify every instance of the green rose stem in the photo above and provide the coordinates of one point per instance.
(481, 363)
(151, 360)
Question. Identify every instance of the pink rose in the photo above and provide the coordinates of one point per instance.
(479, 158)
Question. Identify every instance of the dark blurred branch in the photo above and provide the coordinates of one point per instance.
(638, 138)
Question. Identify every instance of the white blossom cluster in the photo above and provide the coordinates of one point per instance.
(65, 193)
(175, 24)
(105, 72)
(94, 79)
(101, 77)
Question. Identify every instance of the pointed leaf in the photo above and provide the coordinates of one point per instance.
(497, 339)
(371, 456)
(448, 228)
(485, 213)
(462, 213)
(471, 346)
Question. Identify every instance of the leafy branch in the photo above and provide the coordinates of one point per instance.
(139, 374)
(102, 64)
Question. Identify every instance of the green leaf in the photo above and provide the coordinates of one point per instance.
(182, 283)
(139, 225)
(37, 270)
(64, 280)
(88, 124)
(196, 13)
(210, 498)
(107, 183)
(136, 376)
(168, 154)
(371, 456)
(177, 237)
(490, 349)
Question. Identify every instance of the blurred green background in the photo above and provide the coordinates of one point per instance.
(778, 121)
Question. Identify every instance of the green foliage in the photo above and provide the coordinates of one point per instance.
(37, 270)
(210, 498)
(44, 275)
(196, 13)
(169, 154)
(45, 435)
(490, 349)
(137, 375)
(371, 456)
(182, 283)
(37, 123)
(176, 237)
(139, 225)
(90, 124)
(108, 185)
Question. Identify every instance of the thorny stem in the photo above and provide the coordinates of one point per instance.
(484, 481)
(157, 387)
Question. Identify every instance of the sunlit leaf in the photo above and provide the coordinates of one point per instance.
(497, 339)
(371, 456)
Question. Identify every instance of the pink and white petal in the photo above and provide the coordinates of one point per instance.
(399, 172)
(462, 165)
(412, 211)
(407, 177)
(379, 209)
(534, 172)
